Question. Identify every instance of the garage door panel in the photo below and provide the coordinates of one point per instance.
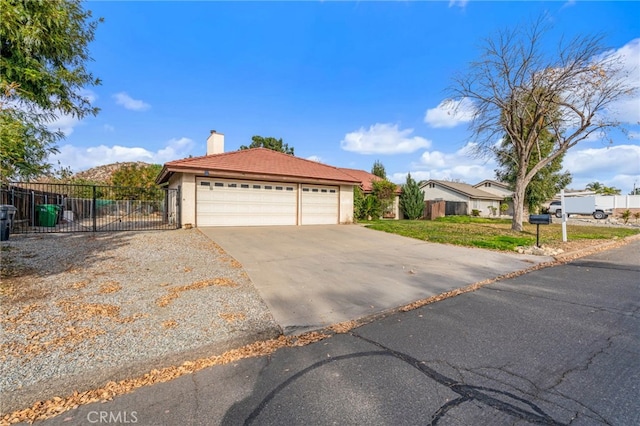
(222, 202)
(320, 205)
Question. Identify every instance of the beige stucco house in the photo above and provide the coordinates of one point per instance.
(476, 199)
(256, 187)
(498, 188)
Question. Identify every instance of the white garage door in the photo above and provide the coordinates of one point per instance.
(319, 205)
(227, 202)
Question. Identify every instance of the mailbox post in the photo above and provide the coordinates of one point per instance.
(539, 219)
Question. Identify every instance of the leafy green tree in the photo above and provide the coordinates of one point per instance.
(365, 206)
(269, 143)
(543, 185)
(358, 203)
(137, 181)
(385, 192)
(412, 199)
(43, 60)
(378, 170)
(518, 85)
(602, 189)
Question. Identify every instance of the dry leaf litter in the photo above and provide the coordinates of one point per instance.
(56, 405)
(75, 305)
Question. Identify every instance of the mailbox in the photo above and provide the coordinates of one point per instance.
(537, 220)
(540, 219)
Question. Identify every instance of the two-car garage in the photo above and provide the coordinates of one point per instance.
(258, 187)
(234, 202)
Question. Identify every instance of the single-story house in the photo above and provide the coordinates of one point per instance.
(256, 187)
(498, 188)
(366, 185)
(495, 187)
(475, 199)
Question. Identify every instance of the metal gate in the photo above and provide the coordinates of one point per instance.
(55, 207)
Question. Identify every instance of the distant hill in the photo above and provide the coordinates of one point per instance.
(104, 173)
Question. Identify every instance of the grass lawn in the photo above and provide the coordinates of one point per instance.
(493, 234)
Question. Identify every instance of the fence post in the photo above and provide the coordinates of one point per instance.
(93, 208)
(33, 208)
(179, 206)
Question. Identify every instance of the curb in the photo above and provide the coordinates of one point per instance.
(568, 256)
(89, 380)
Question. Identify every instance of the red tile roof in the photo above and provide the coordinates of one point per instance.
(366, 179)
(257, 161)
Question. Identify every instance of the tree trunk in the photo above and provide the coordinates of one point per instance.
(518, 204)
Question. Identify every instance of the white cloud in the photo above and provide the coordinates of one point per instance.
(450, 113)
(460, 165)
(64, 123)
(128, 102)
(78, 158)
(459, 3)
(383, 138)
(628, 57)
(594, 162)
(315, 158)
(634, 135)
(626, 183)
(108, 128)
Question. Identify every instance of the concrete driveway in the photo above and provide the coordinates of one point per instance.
(314, 276)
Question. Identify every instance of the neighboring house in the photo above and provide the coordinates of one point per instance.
(475, 199)
(366, 180)
(257, 187)
(498, 188)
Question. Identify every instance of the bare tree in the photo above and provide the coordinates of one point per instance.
(521, 90)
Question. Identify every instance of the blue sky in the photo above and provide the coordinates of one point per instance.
(344, 83)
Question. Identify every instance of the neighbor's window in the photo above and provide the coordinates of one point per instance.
(268, 187)
(244, 185)
(279, 188)
(256, 186)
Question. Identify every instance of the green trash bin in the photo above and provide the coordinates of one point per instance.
(47, 214)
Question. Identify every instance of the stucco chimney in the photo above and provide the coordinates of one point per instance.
(215, 143)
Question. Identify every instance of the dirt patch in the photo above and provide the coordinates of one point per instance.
(174, 293)
(232, 316)
(110, 287)
(77, 308)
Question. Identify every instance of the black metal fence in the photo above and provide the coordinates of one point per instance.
(54, 207)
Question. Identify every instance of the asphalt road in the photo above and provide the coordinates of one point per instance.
(557, 346)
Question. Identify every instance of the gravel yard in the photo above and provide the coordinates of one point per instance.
(79, 310)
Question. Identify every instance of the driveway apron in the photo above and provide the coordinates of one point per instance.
(314, 276)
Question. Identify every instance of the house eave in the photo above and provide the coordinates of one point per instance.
(211, 173)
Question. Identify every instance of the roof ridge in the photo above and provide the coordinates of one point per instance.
(211, 155)
(451, 185)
